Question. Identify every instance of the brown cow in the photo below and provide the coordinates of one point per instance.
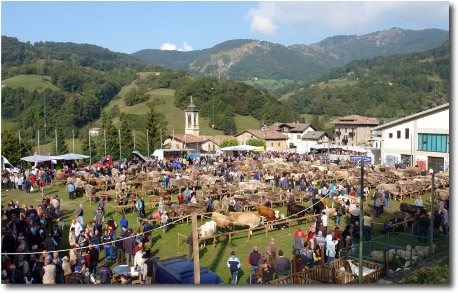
(269, 214)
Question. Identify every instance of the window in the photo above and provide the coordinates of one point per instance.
(390, 135)
(278, 144)
(399, 134)
(345, 130)
(298, 137)
(407, 133)
(433, 142)
(271, 144)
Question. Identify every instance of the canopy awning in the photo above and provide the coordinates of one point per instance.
(70, 156)
(243, 147)
(37, 159)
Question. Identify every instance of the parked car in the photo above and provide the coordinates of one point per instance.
(180, 270)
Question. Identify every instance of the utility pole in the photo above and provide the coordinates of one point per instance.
(147, 141)
(57, 150)
(105, 140)
(90, 155)
(134, 139)
(38, 141)
(195, 244)
(161, 138)
(120, 144)
(361, 225)
(431, 224)
(20, 146)
(73, 135)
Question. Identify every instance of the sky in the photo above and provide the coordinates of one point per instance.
(128, 27)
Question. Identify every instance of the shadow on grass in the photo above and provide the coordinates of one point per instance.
(222, 245)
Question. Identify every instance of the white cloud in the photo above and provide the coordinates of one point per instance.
(173, 47)
(355, 17)
(168, 46)
(186, 47)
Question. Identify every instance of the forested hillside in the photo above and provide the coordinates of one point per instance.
(252, 59)
(391, 86)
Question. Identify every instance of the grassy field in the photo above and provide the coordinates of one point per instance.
(337, 82)
(51, 146)
(30, 82)
(173, 115)
(268, 84)
(166, 245)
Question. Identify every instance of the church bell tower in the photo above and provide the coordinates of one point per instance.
(192, 119)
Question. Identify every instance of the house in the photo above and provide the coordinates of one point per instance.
(353, 129)
(312, 138)
(274, 140)
(199, 144)
(419, 139)
(94, 131)
(295, 131)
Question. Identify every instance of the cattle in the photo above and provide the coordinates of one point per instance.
(245, 219)
(403, 216)
(378, 255)
(206, 230)
(294, 209)
(268, 213)
(222, 221)
(216, 205)
(411, 209)
(60, 176)
(193, 207)
(318, 205)
(90, 190)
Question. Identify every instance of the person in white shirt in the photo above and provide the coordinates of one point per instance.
(418, 202)
(331, 249)
(139, 260)
(78, 227)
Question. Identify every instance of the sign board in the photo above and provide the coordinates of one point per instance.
(358, 159)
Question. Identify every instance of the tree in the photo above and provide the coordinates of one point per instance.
(232, 142)
(112, 137)
(127, 141)
(62, 147)
(317, 122)
(11, 149)
(154, 124)
(255, 142)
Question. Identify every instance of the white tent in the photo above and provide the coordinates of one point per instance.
(37, 159)
(70, 156)
(242, 148)
(359, 149)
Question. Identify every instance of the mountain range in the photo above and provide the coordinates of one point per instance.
(253, 59)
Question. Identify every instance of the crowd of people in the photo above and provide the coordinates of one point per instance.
(33, 234)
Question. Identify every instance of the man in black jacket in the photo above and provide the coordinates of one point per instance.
(424, 225)
(119, 249)
(96, 239)
(94, 253)
(148, 271)
(129, 248)
(282, 265)
(104, 273)
(253, 260)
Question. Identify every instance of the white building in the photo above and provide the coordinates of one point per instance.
(421, 138)
(295, 132)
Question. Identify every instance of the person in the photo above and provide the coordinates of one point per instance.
(282, 265)
(377, 205)
(356, 233)
(164, 220)
(143, 206)
(107, 240)
(193, 198)
(49, 272)
(104, 273)
(387, 198)
(139, 259)
(71, 190)
(253, 259)
(331, 249)
(337, 235)
(76, 277)
(268, 203)
(187, 194)
(436, 225)
(111, 227)
(444, 216)
(340, 211)
(418, 201)
(321, 240)
(66, 267)
(148, 271)
(316, 256)
(180, 199)
(139, 208)
(101, 205)
(233, 263)
(324, 221)
(79, 214)
(123, 222)
(129, 247)
(125, 279)
(189, 241)
(367, 221)
(424, 224)
(299, 240)
(99, 219)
